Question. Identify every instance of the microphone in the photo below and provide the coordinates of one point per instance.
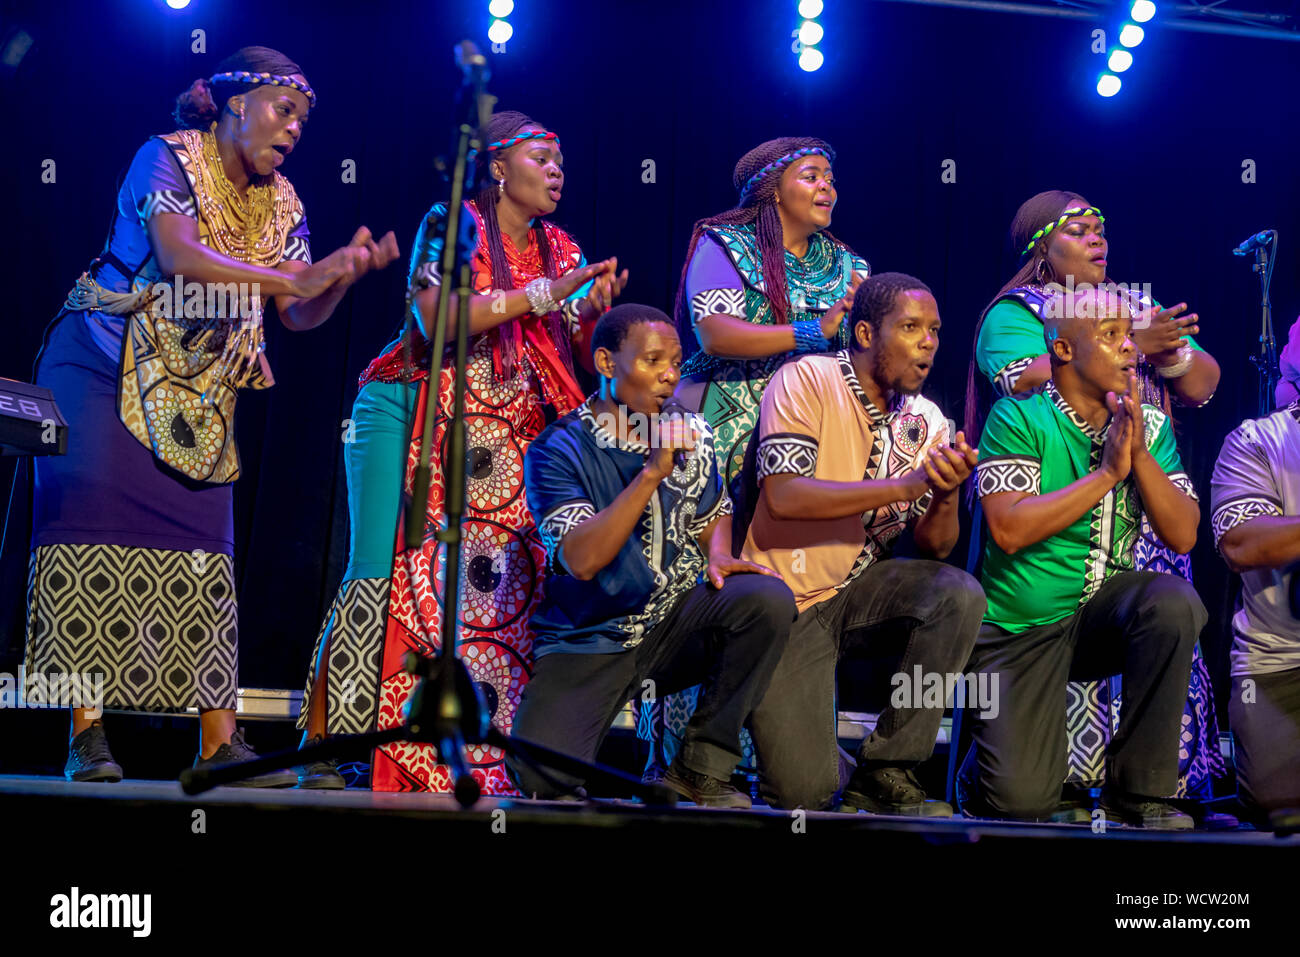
(673, 407)
(1258, 241)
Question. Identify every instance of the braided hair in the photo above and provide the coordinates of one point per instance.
(758, 207)
(1041, 208)
(508, 341)
(200, 106)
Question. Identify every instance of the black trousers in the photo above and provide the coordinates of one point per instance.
(1266, 727)
(794, 726)
(729, 640)
(1142, 625)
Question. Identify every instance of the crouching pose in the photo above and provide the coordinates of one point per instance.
(849, 456)
(1064, 475)
(1256, 521)
(642, 587)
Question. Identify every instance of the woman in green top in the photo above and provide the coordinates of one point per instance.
(1062, 241)
(763, 283)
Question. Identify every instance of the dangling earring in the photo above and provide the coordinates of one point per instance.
(1038, 272)
(501, 187)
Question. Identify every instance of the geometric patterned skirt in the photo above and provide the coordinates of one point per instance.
(159, 626)
(131, 574)
(353, 633)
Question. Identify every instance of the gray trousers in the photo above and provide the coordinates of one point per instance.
(794, 727)
(1267, 734)
(1142, 625)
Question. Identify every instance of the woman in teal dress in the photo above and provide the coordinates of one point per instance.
(763, 283)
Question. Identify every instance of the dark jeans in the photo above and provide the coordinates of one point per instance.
(794, 726)
(1266, 730)
(727, 639)
(1142, 625)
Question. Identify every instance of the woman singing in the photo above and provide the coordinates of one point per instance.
(131, 564)
(535, 302)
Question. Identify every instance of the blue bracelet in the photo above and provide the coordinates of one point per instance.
(808, 336)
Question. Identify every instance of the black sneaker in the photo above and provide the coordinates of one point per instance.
(702, 789)
(891, 791)
(238, 751)
(89, 758)
(320, 774)
(1145, 812)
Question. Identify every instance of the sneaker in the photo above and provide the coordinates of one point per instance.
(703, 790)
(89, 758)
(891, 791)
(238, 751)
(323, 775)
(1071, 812)
(1150, 813)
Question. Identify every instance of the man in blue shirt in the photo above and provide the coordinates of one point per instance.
(643, 593)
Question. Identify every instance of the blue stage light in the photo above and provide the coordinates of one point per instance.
(811, 33)
(1120, 60)
(810, 8)
(178, 4)
(1143, 10)
(1108, 85)
(811, 59)
(501, 8)
(500, 31)
(1130, 35)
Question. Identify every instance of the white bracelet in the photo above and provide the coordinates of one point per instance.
(539, 296)
(1179, 368)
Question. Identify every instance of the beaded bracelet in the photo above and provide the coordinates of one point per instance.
(1179, 368)
(539, 296)
(808, 336)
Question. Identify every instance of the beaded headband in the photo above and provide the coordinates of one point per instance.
(1069, 213)
(777, 164)
(257, 79)
(510, 141)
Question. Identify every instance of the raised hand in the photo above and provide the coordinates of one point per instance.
(346, 264)
(946, 468)
(1117, 455)
(676, 434)
(1164, 332)
(835, 314)
(572, 281)
(1133, 409)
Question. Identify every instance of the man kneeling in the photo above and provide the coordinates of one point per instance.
(643, 587)
(849, 456)
(1064, 475)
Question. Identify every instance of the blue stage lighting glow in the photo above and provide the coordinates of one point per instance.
(500, 31)
(178, 4)
(810, 8)
(1143, 10)
(1120, 60)
(1130, 35)
(811, 59)
(811, 33)
(1108, 85)
(501, 8)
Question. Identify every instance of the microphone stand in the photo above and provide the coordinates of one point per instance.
(445, 710)
(1266, 361)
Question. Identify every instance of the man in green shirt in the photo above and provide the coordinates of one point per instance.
(1065, 473)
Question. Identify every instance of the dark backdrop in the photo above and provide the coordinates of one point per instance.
(690, 86)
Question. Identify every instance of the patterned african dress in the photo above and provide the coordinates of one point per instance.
(1009, 340)
(391, 601)
(131, 571)
(725, 275)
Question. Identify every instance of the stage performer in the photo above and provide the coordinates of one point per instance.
(535, 301)
(131, 565)
(644, 592)
(1061, 240)
(763, 282)
(1255, 514)
(851, 455)
(1064, 474)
